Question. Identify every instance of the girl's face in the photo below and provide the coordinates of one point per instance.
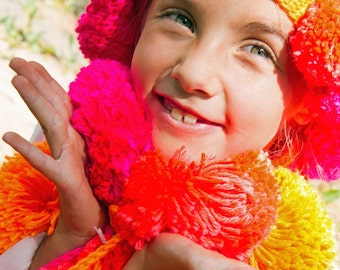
(213, 74)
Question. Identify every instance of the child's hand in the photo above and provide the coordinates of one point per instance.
(173, 251)
(50, 104)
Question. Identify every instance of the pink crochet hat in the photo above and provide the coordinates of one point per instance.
(110, 29)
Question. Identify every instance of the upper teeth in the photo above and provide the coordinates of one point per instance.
(186, 118)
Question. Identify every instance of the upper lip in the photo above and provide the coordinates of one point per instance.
(187, 110)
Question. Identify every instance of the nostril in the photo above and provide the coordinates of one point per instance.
(195, 79)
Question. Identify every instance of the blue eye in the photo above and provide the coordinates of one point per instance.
(183, 20)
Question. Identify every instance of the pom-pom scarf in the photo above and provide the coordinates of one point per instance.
(241, 206)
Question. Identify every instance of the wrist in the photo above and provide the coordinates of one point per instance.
(54, 246)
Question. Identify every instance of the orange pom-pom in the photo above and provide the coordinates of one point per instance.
(316, 44)
(28, 201)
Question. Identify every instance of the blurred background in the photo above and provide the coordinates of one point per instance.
(40, 30)
(43, 30)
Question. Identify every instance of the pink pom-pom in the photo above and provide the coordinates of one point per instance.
(110, 29)
(111, 120)
(323, 132)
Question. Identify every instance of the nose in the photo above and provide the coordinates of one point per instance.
(197, 70)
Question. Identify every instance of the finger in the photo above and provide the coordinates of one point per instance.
(50, 119)
(33, 99)
(58, 89)
(38, 159)
(44, 84)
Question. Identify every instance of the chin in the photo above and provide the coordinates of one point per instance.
(172, 146)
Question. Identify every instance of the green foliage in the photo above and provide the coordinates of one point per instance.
(331, 195)
(19, 33)
(72, 6)
(23, 34)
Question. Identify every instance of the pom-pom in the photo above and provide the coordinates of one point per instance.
(110, 29)
(302, 237)
(319, 156)
(224, 205)
(294, 8)
(111, 120)
(206, 202)
(29, 202)
(316, 44)
(227, 205)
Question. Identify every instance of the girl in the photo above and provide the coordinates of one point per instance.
(216, 77)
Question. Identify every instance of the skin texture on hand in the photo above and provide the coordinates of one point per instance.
(80, 211)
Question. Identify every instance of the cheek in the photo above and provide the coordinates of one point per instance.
(154, 54)
(138, 71)
(144, 66)
(260, 111)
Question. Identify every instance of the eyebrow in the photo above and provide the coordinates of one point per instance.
(190, 4)
(262, 28)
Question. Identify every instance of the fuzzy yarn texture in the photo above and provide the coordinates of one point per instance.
(110, 30)
(295, 9)
(109, 84)
(29, 202)
(316, 50)
(295, 240)
(238, 206)
(219, 204)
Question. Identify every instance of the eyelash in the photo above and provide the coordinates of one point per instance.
(175, 14)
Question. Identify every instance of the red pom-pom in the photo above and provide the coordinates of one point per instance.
(223, 205)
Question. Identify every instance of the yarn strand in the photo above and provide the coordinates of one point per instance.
(93, 260)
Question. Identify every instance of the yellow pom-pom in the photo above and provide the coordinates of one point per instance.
(303, 236)
(294, 8)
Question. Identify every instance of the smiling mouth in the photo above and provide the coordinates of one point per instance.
(183, 116)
